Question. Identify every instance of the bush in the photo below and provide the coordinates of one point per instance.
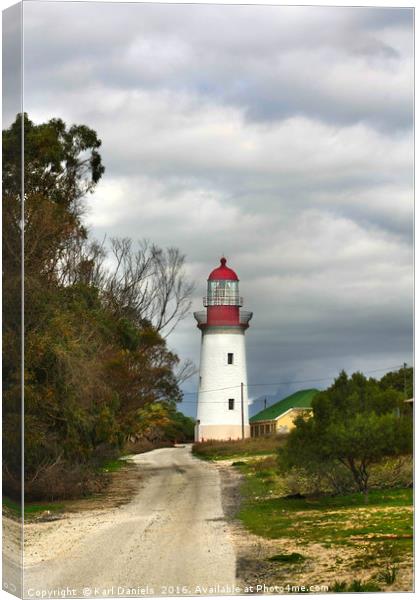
(144, 445)
(394, 472)
(60, 481)
(318, 477)
(326, 477)
(300, 482)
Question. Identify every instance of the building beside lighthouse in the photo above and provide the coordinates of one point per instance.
(222, 410)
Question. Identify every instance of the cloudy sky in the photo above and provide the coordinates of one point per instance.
(280, 136)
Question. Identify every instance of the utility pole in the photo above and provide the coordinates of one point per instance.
(242, 410)
(265, 402)
(405, 381)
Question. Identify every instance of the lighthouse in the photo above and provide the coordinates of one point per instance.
(222, 410)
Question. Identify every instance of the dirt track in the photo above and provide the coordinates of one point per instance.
(171, 538)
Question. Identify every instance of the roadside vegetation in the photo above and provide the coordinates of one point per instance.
(99, 377)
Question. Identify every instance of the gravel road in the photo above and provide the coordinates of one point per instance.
(171, 538)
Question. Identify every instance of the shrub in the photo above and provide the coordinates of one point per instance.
(64, 482)
(393, 472)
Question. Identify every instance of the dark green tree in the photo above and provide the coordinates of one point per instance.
(355, 423)
(401, 380)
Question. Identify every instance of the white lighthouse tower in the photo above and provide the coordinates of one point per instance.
(222, 411)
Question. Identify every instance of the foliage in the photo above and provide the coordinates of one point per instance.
(158, 422)
(180, 428)
(355, 423)
(95, 352)
(401, 381)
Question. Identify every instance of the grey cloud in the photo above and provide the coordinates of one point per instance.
(11, 63)
(280, 136)
(222, 54)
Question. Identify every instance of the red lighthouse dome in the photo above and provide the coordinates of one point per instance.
(223, 301)
(223, 272)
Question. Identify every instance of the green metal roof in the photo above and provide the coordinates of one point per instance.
(301, 399)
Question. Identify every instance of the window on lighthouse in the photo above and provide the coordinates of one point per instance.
(230, 358)
(231, 403)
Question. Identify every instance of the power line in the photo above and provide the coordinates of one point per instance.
(322, 379)
(273, 384)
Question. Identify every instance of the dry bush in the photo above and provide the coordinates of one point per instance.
(394, 472)
(321, 478)
(215, 449)
(64, 483)
(266, 463)
(300, 482)
(144, 445)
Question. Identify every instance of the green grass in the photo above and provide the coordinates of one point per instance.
(113, 465)
(332, 520)
(31, 508)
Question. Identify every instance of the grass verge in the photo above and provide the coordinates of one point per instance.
(31, 508)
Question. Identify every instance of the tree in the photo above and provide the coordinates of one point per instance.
(95, 347)
(355, 423)
(61, 165)
(160, 422)
(147, 283)
(401, 380)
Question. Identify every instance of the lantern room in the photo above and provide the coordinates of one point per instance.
(223, 301)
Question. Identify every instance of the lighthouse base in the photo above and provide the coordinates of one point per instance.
(204, 433)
